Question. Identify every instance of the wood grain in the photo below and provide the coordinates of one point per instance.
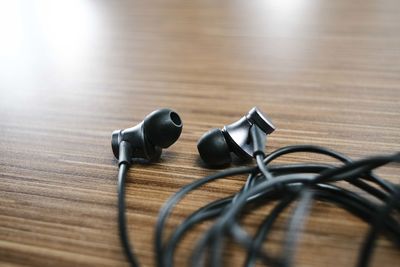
(71, 72)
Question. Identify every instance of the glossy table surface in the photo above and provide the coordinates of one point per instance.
(71, 72)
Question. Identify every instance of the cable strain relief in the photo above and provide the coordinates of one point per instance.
(125, 153)
(258, 138)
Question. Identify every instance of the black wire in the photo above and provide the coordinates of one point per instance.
(348, 200)
(264, 229)
(262, 168)
(269, 183)
(368, 246)
(296, 225)
(123, 232)
(210, 211)
(172, 201)
(327, 152)
(291, 179)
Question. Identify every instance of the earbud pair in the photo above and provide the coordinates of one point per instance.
(161, 128)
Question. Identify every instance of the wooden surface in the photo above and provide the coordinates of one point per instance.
(71, 72)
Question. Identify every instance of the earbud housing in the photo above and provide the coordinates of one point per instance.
(215, 146)
(160, 129)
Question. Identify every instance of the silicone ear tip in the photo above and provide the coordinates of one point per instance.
(162, 127)
(213, 148)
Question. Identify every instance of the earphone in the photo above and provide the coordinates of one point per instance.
(160, 129)
(267, 183)
(215, 146)
(144, 141)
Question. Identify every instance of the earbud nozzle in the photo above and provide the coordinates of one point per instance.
(162, 127)
(213, 148)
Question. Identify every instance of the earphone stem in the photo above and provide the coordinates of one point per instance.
(125, 153)
(258, 137)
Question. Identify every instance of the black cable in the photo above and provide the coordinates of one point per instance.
(368, 245)
(295, 226)
(263, 230)
(172, 201)
(262, 168)
(267, 183)
(123, 233)
(346, 199)
(282, 184)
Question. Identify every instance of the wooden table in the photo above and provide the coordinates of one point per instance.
(71, 72)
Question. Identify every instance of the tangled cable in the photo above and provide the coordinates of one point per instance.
(284, 185)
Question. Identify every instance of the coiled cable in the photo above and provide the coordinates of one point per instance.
(303, 183)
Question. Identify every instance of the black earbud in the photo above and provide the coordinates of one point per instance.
(160, 129)
(144, 141)
(215, 146)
